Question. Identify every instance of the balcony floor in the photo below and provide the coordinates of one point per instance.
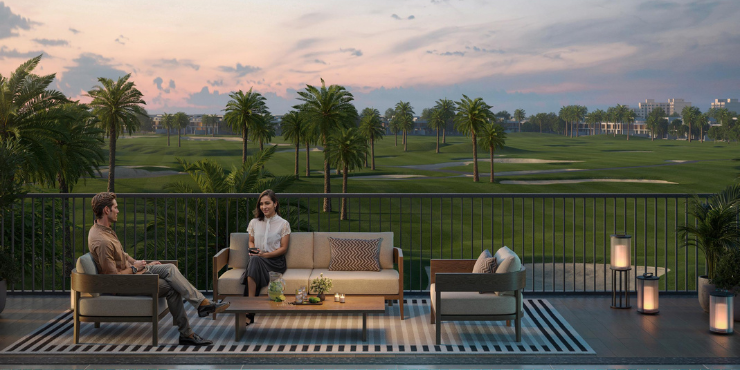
(679, 335)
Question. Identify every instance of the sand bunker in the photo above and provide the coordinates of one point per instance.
(132, 172)
(210, 138)
(629, 151)
(577, 181)
(385, 177)
(678, 160)
(466, 162)
(302, 150)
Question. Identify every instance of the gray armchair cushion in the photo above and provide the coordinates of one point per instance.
(239, 250)
(110, 305)
(86, 265)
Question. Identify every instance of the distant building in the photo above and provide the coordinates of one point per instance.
(732, 105)
(672, 106)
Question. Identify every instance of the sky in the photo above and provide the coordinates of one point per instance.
(535, 55)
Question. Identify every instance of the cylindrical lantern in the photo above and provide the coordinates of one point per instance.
(721, 312)
(621, 252)
(647, 293)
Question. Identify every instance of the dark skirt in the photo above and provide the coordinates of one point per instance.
(259, 269)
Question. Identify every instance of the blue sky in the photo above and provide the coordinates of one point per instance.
(535, 55)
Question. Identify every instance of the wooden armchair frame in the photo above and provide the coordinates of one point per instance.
(455, 276)
(143, 285)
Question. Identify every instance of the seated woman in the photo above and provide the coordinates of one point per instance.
(269, 234)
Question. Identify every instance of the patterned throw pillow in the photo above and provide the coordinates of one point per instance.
(354, 254)
(490, 266)
(486, 263)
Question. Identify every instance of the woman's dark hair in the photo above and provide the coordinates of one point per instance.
(258, 211)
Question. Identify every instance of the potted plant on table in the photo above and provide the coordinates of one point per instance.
(9, 272)
(715, 231)
(321, 286)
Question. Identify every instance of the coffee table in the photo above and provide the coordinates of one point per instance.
(240, 306)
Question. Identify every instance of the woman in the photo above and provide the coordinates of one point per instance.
(269, 234)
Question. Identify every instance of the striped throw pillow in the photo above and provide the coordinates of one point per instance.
(354, 254)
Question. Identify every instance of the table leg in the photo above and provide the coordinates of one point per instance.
(364, 327)
(240, 321)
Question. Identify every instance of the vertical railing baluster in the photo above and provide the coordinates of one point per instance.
(187, 231)
(53, 243)
(23, 245)
(553, 244)
(33, 244)
(166, 230)
(564, 272)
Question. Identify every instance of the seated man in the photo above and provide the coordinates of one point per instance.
(109, 257)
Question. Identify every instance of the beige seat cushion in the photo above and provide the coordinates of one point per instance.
(109, 305)
(384, 281)
(508, 261)
(238, 250)
(322, 250)
(230, 283)
(472, 303)
(300, 251)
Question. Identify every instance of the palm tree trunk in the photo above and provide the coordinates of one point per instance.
(308, 163)
(437, 141)
(444, 135)
(405, 140)
(540, 127)
(343, 215)
(297, 150)
(491, 176)
(244, 144)
(112, 158)
(327, 178)
(628, 130)
(689, 133)
(179, 130)
(372, 152)
(367, 164)
(396, 133)
(168, 137)
(475, 159)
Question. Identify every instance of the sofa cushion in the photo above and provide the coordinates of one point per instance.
(230, 283)
(485, 264)
(472, 303)
(322, 249)
(360, 282)
(354, 254)
(86, 265)
(300, 251)
(508, 261)
(238, 250)
(111, 305)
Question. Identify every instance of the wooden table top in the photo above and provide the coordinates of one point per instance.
(353, 304)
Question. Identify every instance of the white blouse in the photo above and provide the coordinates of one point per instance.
(267, 233)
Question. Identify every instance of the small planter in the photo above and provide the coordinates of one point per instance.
(322, 297)
(705, 289)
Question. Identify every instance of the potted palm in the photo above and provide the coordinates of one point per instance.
(8, 274)
(715, 231)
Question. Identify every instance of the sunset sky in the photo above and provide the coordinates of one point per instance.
(537, 55)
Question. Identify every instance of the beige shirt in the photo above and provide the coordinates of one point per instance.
(268, 233)
(106, 250)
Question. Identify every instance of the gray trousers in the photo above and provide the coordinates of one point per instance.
(175, 288)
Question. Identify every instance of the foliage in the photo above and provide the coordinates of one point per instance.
(12, 157)
(321, 284)
(404, 119)
(471, 115)
(346, 151)
(243, 112)
(79, 146)
(118, 105)
(492, 137)
(371, 127)
(716, 229)
(295, 130)
(727, 271)
(9, 267)
(264, 130)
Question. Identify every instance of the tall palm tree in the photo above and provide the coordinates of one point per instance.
(690, 117)
(181, 121)
(243, 111)
(492, 137)
(579, 112)
(629, 117)
(653, 121)
(167, 122)
(295, 130)
(471, 115)
(372, 128)
(79, 146)
(437, 122)
(117, 105)
(447, 109)
(264, 130)
(327, 109)
(519, 115)
(395, 126)
(346, 150)
(595, 119)
(621, 112)
(405, 115)
(28, 113)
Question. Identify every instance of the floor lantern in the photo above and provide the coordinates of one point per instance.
(621, 264)
(647, 293)
(721, 318)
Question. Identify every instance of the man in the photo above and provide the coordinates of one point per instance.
(110, 258)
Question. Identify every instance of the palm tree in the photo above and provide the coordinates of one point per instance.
(595, 118)
(437, 122)
(295, 130)
(492, 137)
(243, 111)
(395, 126)
(620, 112)
(180, 121)
(653, 121)
(447, 109)
(206, 121)
(629, 117)
(471, 115)
(372, 128)
(519, 115)
(327, 110)
(167, 122)
(79, 146)
(405, 116)
(690, 116)
(117, 105)
(28, 113)
(264, 130)
(346, 150)
(579, 113)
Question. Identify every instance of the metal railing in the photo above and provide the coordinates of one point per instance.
(562, 238)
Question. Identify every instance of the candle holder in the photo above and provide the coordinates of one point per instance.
(647, 293)
(341, 298)
(336, 297)
(721, 312)
(621, 252)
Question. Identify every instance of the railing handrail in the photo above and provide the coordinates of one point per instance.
(377, 195)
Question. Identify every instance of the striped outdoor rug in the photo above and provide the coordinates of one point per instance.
(544, 332)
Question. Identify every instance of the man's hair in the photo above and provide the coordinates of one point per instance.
(100, 201)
